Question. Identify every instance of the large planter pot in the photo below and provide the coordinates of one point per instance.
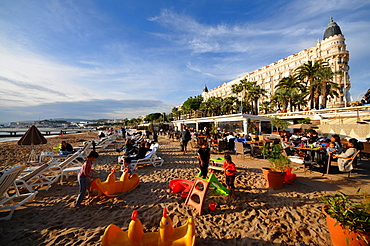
(339, 235)
(274, 179)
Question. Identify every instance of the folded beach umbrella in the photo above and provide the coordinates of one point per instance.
(32, 137)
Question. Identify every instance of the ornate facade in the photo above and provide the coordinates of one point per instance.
(331, 49)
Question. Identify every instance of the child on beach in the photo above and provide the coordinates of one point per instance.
(204, 154)
(84, 176)
(127, 166)
(230, 172)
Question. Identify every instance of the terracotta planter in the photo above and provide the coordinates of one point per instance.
(339, 235)
(274, 179)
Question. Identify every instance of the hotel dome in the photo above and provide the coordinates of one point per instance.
(332, 29)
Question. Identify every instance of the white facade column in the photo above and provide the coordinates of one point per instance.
(245, 126)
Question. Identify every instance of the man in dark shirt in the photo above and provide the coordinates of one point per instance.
(66, 148)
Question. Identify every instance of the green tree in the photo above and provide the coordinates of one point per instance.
(176, 113)
(326, 85)
(240, 91)
(308, 73)
(192, 104)
(215, 104)
(267, 107)
(279, 123)
(254, 92)
(227, 105)
(153, 117)
(281, 97)
(290, 86)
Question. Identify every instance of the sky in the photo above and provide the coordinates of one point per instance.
(114, 59)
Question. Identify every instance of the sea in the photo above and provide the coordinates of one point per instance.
(6, 137)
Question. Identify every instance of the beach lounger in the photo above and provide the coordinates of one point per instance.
(41, 176)
(68, 166)
(150, 159)
(82, 150)
(7, 180)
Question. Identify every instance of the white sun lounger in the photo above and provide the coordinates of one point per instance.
(7, 180)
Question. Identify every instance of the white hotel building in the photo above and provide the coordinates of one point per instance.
(331, 49)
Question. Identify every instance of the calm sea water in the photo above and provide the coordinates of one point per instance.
(21, 131)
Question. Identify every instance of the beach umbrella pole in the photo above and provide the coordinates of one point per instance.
(32, 157)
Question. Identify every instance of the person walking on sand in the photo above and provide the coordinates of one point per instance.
(185, 138)
(204, 154)
(230, 172)
(84, 177)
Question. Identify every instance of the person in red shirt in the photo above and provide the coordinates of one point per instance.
(230, 172)
(84, 176)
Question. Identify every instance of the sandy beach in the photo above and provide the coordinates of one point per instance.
(256, 216)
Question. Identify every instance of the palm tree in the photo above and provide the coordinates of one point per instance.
(254, 92)
(238, 88)
(326, 85)
(292, 87)
(300, 100)
(215, 105)
(227, 105)
(266, 107)
(282, 97)
(176, 112)
(308, 73)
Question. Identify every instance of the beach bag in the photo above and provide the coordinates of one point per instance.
(289, 177)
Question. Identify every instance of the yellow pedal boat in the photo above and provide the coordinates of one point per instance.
(112, 187)
(166, 236)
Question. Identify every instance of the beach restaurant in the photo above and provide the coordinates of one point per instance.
(233, 123)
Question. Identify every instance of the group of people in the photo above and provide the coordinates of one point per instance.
(330, 148)
(135, 147)
(204, 156)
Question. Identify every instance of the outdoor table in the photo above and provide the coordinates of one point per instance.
(317, 157)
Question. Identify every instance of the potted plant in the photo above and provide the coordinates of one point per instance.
(348, 220)
(279, 164)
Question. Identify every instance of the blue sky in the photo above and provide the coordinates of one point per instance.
(120, 59)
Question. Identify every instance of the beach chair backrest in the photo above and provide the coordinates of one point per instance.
(151, 153)
(8, 178)
(35, 172)
(68, 161)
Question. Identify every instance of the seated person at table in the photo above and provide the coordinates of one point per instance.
(331, 149)
(66, 148)
(344, 165)
(312, 137)
(288, 146)
(338, 145)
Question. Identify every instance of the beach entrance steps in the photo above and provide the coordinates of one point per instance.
(197, 195)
